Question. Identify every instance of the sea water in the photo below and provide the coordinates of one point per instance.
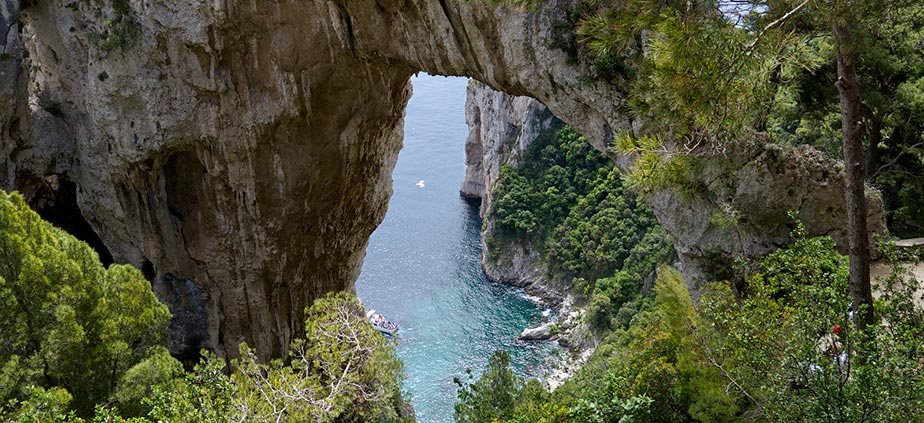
(423, 264)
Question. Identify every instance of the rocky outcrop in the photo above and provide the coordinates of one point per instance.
(246, 146)
(742, 204)
(538, 333)
(501, 127)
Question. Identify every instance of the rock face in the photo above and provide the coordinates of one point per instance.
(240, 152)
(743, 204)
(501, 127)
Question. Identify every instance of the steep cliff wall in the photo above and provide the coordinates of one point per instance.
(240, 152)
(501, 127)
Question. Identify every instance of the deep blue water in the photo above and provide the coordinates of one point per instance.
(422, 266)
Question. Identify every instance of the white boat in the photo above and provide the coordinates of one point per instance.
(378, 321)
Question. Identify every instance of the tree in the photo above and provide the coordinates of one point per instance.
(69, 328)
(848, 86)
(493, 396)
(711, 68)
(783, 348)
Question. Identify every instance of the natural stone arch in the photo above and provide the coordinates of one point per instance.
(241, 152)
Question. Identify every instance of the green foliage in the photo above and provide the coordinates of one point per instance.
(777, 347)
(122, 32)
(500, 396)
(700, 81)
(569, 199)
(75, 335)
(535, 197)
(492, 397)
(205, 394)
(781, 349)
(67, 324)
(890, 66)
(158, 371)
(696, 76)
(648, 372)
(342, 371)
(601, 229)
(121, 29)
(651, 371)
(657, 168)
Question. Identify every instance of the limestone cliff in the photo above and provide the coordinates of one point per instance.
(240, 152)
(501, 127)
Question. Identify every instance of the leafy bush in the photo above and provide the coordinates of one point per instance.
(79, 341)
(501, 396)
(790, 347)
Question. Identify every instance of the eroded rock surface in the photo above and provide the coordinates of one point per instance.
(247, 146)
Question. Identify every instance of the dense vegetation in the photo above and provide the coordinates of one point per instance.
(783, 344)
(782, 350)
(567, 200)
(70, 330)
(79, 341)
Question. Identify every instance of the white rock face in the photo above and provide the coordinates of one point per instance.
(501, 127)
(538, 333)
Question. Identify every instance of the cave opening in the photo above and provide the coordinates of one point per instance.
(55, 200)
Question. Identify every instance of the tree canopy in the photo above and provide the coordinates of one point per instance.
(67, 324)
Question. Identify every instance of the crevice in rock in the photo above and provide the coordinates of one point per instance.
(348, 21)
(183, 173)
(54, 198)
(147, 269)
(460, 36)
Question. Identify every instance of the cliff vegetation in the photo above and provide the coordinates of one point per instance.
(780, 348)
(567, 201)
(81, 342)
(789, 336)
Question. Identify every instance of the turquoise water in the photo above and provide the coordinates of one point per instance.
(422, 266)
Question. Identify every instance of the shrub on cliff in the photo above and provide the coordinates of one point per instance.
(342, 371)
(787, 344)
(569, 201)
(501, 396)
(78, 340)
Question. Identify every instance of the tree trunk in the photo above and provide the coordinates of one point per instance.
(872, 154)
(849, 89)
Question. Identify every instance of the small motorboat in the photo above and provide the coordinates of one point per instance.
(378, 321)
